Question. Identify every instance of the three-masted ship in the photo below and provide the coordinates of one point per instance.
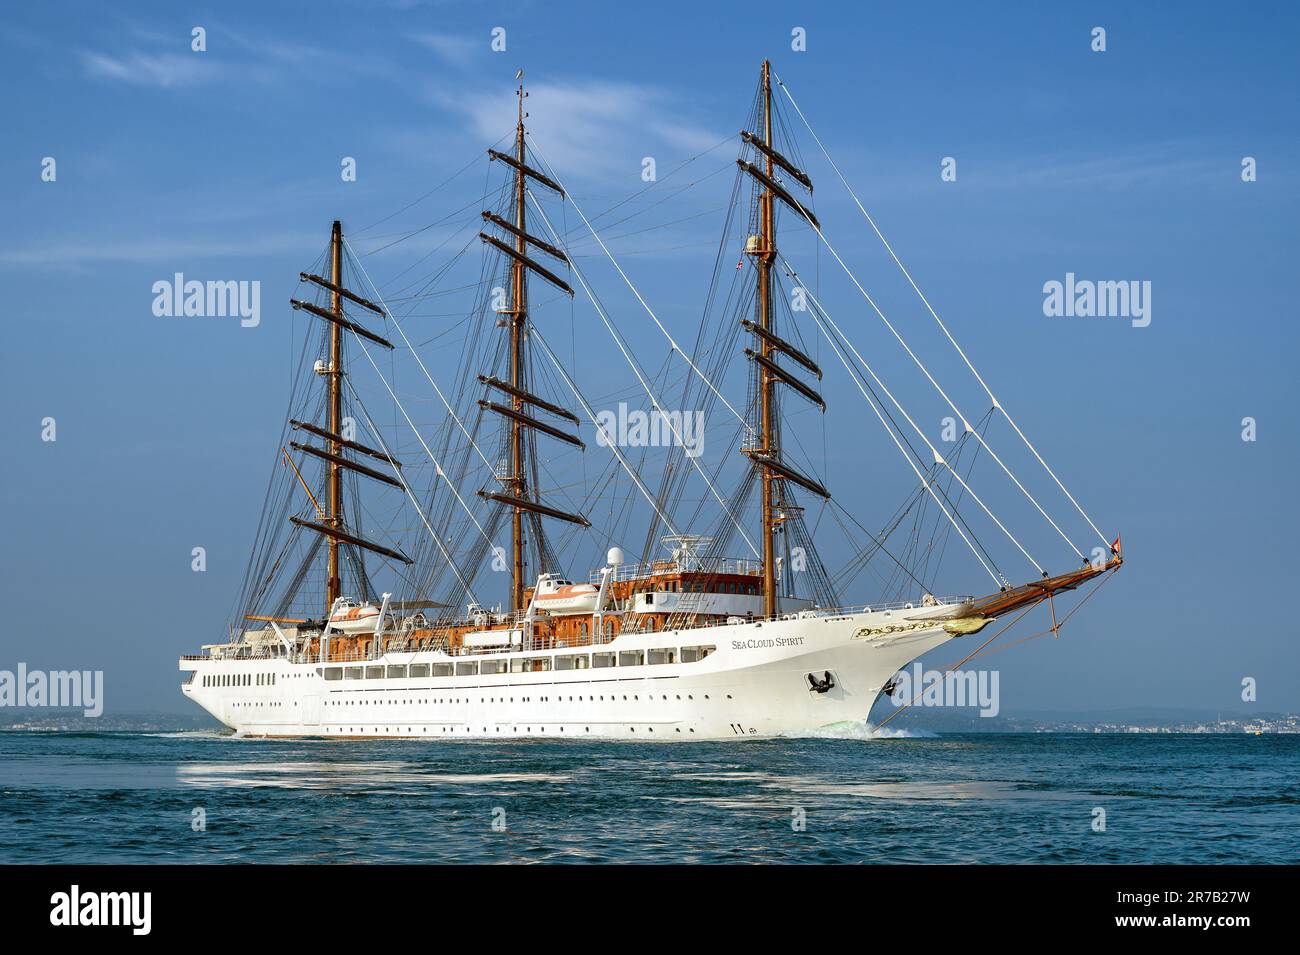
(686, 640)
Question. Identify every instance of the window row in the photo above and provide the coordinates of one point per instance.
(488, 667)
(239, 679)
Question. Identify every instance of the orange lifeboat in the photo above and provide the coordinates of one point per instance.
(563, 598)
(349, 617)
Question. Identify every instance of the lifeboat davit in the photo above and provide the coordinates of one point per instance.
(354, 618)
(563, 597)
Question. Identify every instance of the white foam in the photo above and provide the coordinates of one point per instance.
(864, 730)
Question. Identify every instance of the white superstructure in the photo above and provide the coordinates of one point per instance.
(745, 679)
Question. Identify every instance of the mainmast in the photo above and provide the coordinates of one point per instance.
(518, 313)
(766, 454)
(334, 508)
(520, 497)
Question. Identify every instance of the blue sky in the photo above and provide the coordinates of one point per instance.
(226, 165)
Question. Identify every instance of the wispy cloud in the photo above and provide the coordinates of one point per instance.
(1171, 164)
(231, 56)
(596, 127)
(151, 69)
(458, 51)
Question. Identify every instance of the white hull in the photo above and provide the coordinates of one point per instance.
(755, 684)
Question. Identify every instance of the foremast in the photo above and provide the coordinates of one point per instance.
(766, 453)
(767, 437)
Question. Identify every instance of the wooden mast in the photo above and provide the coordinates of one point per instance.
(333, 515)
(518, 307)
(767, 439)
(516, 494)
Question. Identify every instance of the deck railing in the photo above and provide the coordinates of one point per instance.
(633, 570)
(597, 638)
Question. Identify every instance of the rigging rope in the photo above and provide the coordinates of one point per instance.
(437, 465)
(925, 483)
(374, 430)
(398, 325)
(611, 441)
(666, 417)
(919, 364)
(959, 663)
(980, 650)
(671, 341)
(993, 398)
(938, 458)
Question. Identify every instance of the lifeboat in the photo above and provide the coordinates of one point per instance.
(349, 617)
(563, 598)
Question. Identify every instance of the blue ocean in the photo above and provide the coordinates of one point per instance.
(208, 797)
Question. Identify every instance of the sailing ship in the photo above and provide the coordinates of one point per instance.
(685, 640)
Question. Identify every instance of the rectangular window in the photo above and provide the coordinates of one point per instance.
(374, 673)
(663, 655)
(599, 660)
(333, 673)
(578, 662)
(695, 654)
(467, 669)
(397, 673)
(537, 664)
(419, 669)
(631, 658)
(492, 666)
(441, 669)
(352, 673)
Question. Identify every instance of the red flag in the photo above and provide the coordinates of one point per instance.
(1114, 548)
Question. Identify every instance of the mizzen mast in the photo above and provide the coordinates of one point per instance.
(329, 521)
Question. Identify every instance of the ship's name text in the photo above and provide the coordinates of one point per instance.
(754, 644)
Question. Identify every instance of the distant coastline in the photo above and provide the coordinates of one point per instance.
(1121, 721)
